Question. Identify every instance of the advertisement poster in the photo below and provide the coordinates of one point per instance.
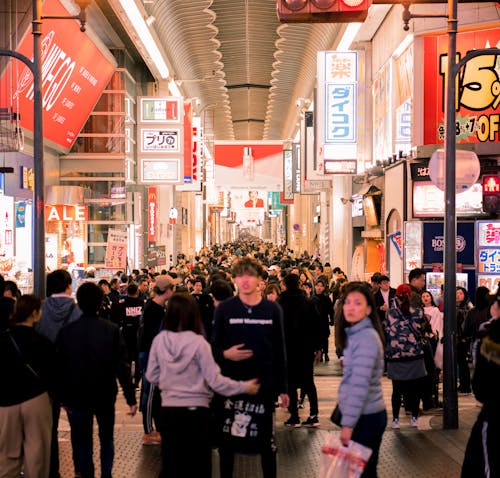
(74, 74)
(488, 254)
(248, 206)
(249, 166)
(116, 249)
(478, 90)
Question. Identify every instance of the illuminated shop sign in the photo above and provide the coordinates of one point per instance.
(152, 214)
(478, 89)
(488, 254)
(160, 170)
(65, 212)
(74, 74)
(160, 141)
(161, 110)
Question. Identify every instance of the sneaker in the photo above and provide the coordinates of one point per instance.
(312, 421)
(395, 424)
(293, 422)
(414, 422)
(152, 438)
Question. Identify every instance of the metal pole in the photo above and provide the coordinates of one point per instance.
(38, 246)
(450, 413)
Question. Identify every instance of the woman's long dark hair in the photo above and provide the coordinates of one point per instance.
(341, 323)
(183, 313)
(25, 306)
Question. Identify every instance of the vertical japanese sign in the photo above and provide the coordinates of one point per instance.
(478, 88)
(116, 250)
(488, 254)
(288, 174)
(152, 206)
(161, 139)
(337, 128)
(403, 73)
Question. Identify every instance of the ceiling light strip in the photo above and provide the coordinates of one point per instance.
(141, 28)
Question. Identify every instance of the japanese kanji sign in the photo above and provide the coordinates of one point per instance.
(488, 254)
(116, 250)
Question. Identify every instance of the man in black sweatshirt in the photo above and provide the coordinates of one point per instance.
(91, 354)
(248, 343)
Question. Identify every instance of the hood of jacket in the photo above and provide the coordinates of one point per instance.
(178, 348)
(58, 308)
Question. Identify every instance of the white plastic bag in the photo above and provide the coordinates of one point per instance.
(339, 461)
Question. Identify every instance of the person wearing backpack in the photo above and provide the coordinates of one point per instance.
(58, 310)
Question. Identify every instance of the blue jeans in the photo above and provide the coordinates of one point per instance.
(368, 431)
(81, 420)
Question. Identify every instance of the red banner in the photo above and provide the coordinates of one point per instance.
(477, 85)
(188, 141)
(152, 214)
(74, 74)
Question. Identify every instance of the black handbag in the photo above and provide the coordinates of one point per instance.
(336, 416)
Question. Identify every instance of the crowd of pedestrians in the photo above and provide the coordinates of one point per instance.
(212, 346)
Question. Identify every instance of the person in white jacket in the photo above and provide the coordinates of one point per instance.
(182, 366)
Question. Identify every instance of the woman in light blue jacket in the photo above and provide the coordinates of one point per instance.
(361, 402)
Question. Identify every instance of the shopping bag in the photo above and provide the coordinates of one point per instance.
(339, 461)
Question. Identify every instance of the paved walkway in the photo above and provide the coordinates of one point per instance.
(429, 451)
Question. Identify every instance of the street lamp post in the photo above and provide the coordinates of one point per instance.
(450, 412)
(35, 66)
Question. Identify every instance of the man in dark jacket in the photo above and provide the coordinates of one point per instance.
(303, 343)
(127, 315)
(384, 296)
(92, 355)
(150, 325)
(58, 310)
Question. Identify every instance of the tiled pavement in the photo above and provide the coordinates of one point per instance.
(429, 451)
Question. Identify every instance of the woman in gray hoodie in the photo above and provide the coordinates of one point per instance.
(182, 366)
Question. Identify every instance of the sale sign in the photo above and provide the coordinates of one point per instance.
(74, 74)
(477, 88)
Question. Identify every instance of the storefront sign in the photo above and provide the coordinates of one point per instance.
(488, 233)
(296, 168)
(396, 241)
(434, 242)
(161, 110)
(489, 261)
(20, 214)
(490, 281)
(160, 141)
(160, 170)
(27, 178)
(65, 212)
(152, 206)
(337, 129)
(288, 174)
(74, 74)
(428, 200)
(488, 254)
(478, 89)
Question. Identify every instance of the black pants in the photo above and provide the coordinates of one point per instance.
(307, 387)
(463, 367)
(81, 420)
(410, 391)
(368, 432)
(185, 442)
(267, 458)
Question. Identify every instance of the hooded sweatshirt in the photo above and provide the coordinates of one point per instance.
(182, 366)
(57, 311)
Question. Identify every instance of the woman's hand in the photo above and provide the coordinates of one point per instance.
(345, 435)
(253, 386)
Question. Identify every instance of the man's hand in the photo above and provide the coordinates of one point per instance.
(237, 353)
(284, 400)
(132, 410)
(345, 435)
